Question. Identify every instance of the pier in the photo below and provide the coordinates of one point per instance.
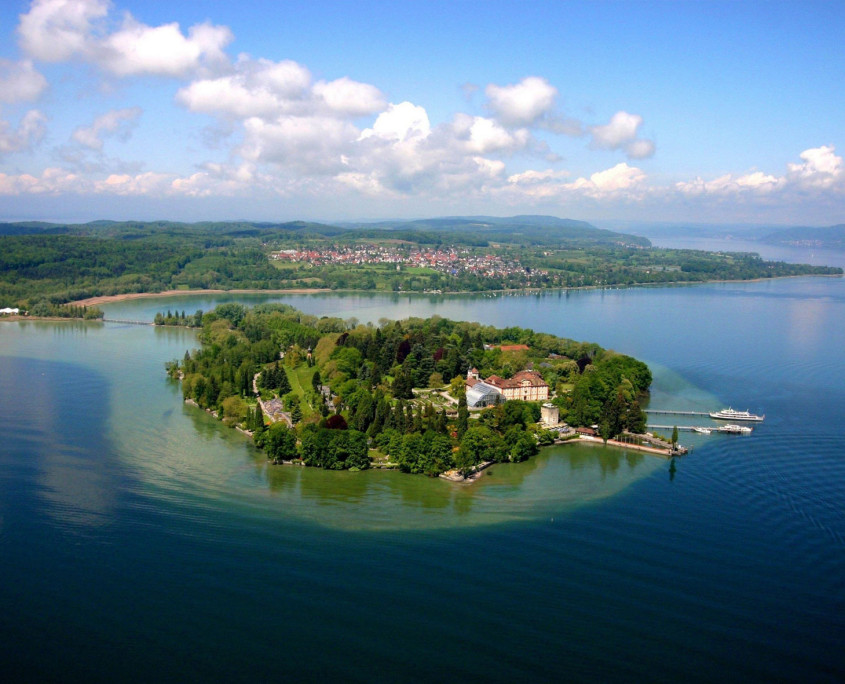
(117, 320)
(695, 428)
(677, 413)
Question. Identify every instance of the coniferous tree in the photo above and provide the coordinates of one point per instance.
(463, 416)
(258, 419)
(442, 422)
(399, 416)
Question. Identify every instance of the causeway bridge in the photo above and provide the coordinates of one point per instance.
(125, 322)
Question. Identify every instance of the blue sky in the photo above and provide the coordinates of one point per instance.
(648, 111)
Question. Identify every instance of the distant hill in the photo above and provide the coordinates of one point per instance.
(31, 228)
(138, 229)
(469, 230)
(527, 229)
(832, 237)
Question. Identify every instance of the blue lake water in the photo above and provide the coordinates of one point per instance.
(141, 539)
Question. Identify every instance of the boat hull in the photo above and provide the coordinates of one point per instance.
(736, 416)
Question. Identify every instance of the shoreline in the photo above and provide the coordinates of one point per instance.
(109, 299)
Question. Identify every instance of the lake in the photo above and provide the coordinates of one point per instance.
(140, 539)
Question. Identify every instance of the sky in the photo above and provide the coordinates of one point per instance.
(273, 111)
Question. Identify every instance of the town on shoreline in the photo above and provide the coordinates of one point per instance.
(47, 265)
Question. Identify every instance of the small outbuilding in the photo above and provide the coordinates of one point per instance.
(549, 414)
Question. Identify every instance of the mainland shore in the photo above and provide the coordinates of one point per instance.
(108, 299)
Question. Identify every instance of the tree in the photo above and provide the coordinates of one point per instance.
(524, 448)
(411, 453)
(280, 443)
(439, 456)
(258, 419)
(612, 417)
(675, 437)
(282, 379)
(457, 386)
(234, 407)
(463, 417)
(480, 443)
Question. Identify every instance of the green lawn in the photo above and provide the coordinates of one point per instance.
(300, 383)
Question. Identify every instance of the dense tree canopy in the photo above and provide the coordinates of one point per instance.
(345, 388)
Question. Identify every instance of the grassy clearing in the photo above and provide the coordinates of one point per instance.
(300, 383)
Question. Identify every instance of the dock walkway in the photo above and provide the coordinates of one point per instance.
(125, 322)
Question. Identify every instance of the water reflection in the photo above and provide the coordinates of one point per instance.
(557, 479)
(62, 410)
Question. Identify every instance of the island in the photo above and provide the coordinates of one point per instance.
(427, 396)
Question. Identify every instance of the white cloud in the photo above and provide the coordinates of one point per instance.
(621, 182)
(531, 177)
(366, 183)
(261, 88)
(29, 132)
(20, 81)
(753, 183)
(148, 183)
(162, 50)
(821, 168)
(230, 96)
(118, 121)
(311, 145)
(400, 122)
(51, 181)
(523, 103)
(640, 149)
(345, 96)
(60, 30)
(216, 180)
(620, 177)
(479, 135)
(213, 180)
(621, 133)
(56, 30)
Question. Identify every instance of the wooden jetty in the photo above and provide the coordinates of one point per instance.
(677, 413)
(125, 322)
(699, 428)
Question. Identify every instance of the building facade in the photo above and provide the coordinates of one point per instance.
(525, 385)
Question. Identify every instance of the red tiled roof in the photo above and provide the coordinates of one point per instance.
(533, 378)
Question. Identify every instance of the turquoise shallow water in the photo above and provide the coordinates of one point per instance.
(139, 538)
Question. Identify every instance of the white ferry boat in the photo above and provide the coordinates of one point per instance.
(702, 430)
(735, 429)
(730, 414)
